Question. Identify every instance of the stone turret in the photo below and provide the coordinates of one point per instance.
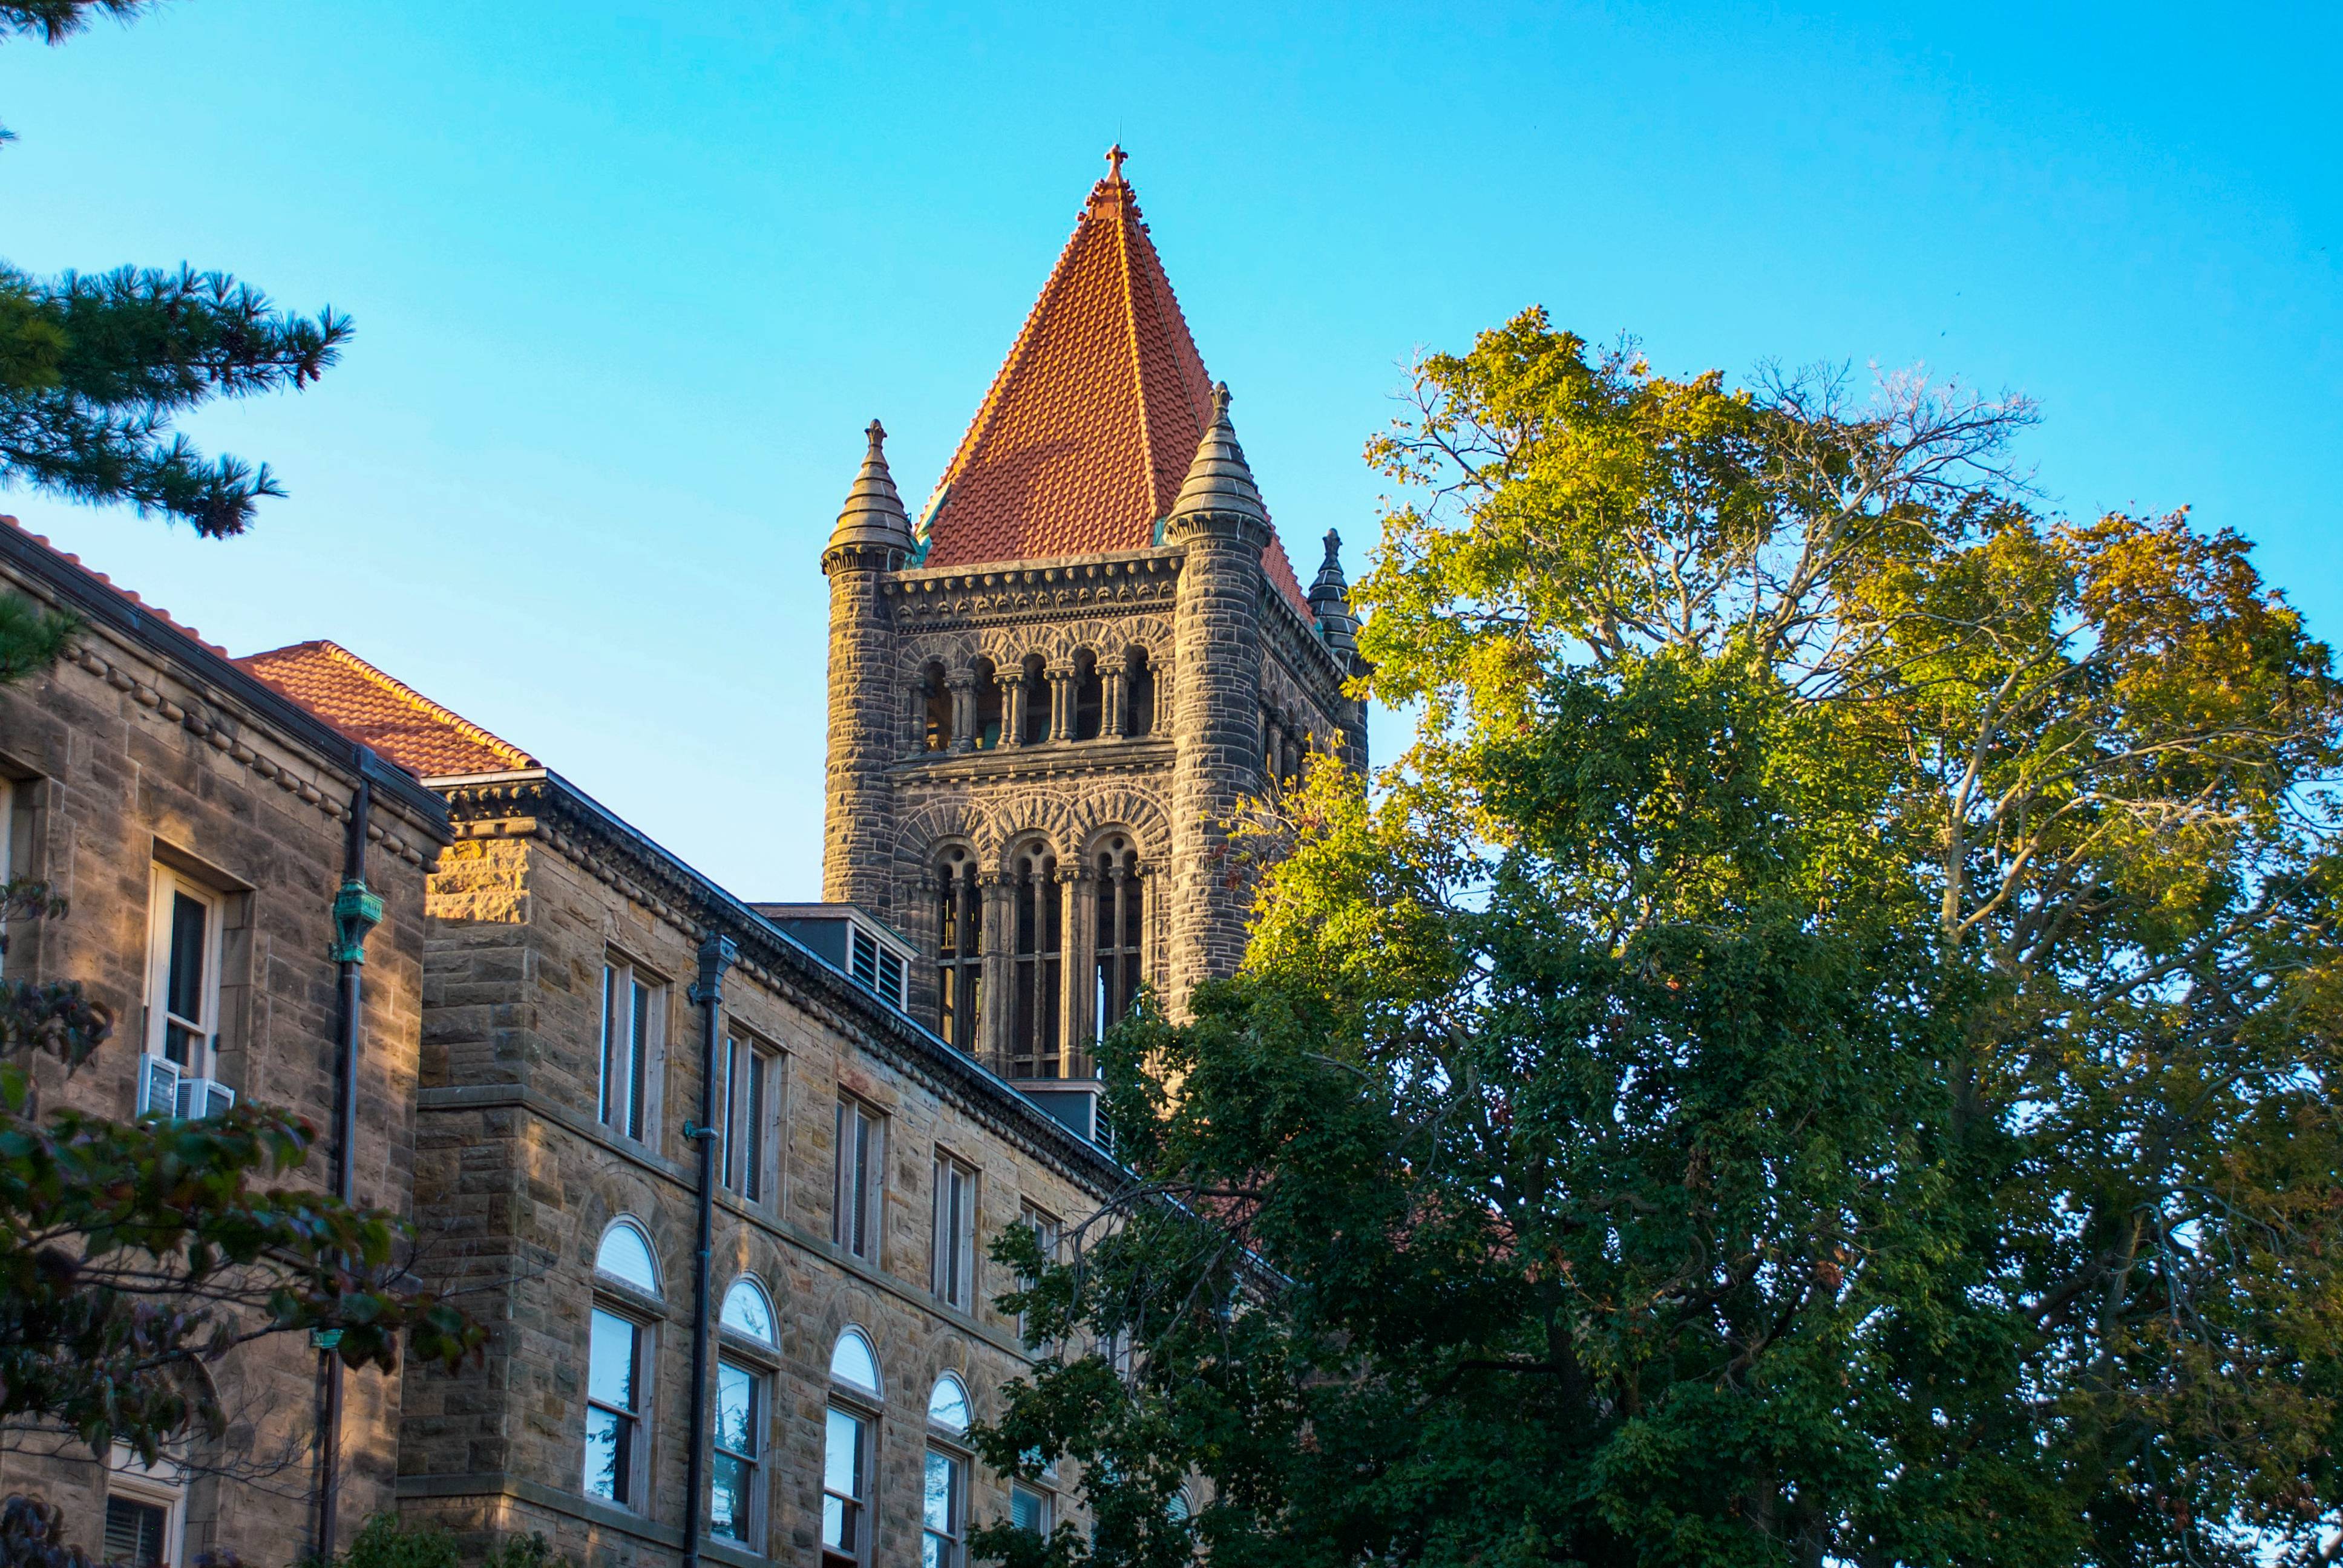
(1220, 525)
(1330, 601)
(871, 539)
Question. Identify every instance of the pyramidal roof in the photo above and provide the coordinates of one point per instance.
(1083, 441)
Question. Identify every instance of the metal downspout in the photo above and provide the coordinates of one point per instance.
(356, 912)
(716, 954)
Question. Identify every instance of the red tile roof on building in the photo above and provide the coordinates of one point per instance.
(395, 719)
(1081, 445)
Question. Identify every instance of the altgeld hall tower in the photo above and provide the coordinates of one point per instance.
(721, 1176)
(1049, 693)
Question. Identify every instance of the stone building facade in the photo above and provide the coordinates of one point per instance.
(721, 1179)
(1048, 698)
(198, 823)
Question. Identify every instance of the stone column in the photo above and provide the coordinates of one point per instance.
(1012, 709)
(1078, 885)
(1113, 722)
(1061, 701)
(994, 1009)
(962, 688)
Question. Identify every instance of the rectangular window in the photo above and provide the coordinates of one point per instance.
(845, 1463)
(854, 1211)
(751, 1074)
(739, 1417)
(1046, 1232)
(955, 1267)
(183, 973)
(1029, 1508)
(942, 1504)
(137, 1532)
(614, 1408)
(632, 1034)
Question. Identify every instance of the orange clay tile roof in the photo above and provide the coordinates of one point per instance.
(1081, 443)
(369, 707)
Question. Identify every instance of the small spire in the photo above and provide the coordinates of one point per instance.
(1114, 160)
(1330, 600)
(1220, 481)
(873, 516)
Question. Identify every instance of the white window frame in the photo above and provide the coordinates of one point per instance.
(640, 1309)
(1043, 1498)
(761, 1421)
(952, 1265)
(157, 1486)
(951, 1537)
(852, 1405)
(166, 886)
(636, 1422)
(859, 1183)
(745, 1157)
(634, 1011)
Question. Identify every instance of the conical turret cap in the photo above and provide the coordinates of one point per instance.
(1330, 599)
(1220, 481)
(873, 516)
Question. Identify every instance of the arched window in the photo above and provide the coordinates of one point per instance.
(617, 1368)
(736, 1490)
(626, 1255)
(988, 706)
(1033, 701)
(1033, 1035)
(852, 1364)
(943, 1489)
(947, 1405)
(748, 1311)
(959, 948)
(846, 1458)
(1121, 928)
(936, 734)
(1138, 693)
(1090, 696)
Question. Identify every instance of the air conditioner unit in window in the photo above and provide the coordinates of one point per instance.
(202, 1097)
(158, 1086)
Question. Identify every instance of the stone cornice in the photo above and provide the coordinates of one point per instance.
(1048, 760)
(1133, 580)
(542, 804)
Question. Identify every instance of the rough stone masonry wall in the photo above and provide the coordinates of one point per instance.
(519, 1180)
(120, 758)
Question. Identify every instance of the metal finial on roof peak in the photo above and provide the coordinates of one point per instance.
(1333, 550)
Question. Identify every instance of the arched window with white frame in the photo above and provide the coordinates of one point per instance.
(849, 1450)
(746, 1348)
(619, 1364)
(943, 1492)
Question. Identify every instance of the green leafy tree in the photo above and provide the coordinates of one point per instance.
(1822, 1052)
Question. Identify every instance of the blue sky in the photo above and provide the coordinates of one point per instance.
(630, 278)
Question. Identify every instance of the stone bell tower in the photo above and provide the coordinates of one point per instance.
(1046, 696)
